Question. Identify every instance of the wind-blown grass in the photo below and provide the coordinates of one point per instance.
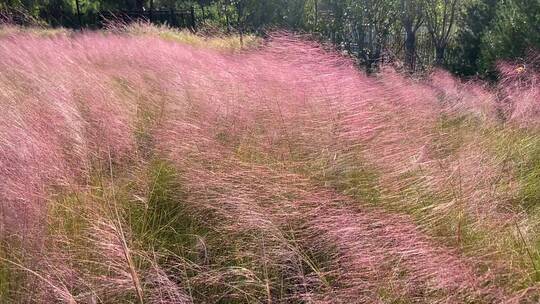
(139, 169)
(221, 42)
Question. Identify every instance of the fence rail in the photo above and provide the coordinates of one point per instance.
(176, 18)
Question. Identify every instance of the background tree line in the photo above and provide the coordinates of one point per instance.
(465, 36)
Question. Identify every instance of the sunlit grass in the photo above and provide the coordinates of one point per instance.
(222, 42)
(45, 32)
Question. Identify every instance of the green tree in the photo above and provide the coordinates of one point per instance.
(412, 17)
(373, 20)
(440, 16)
(515, 29)
(467, 48)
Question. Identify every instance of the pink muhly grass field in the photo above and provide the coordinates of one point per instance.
(135, 169)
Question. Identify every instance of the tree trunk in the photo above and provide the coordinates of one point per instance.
(410, 50)
(439, 55)
(375, 61)
(239, 21)
(316, 13)
(372, 60)
(226, 12)
(78, 13)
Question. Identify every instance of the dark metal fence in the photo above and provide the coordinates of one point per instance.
(176, 18)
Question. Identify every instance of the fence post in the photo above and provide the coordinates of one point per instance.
(172, 18)
(78, 13)
(150, 13)
(193, 22)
